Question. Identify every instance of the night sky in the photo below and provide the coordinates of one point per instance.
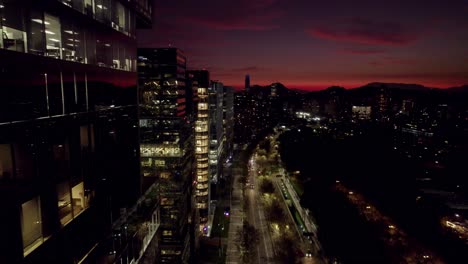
(312, 45)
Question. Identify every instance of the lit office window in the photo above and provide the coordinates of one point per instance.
(102, 9)
(13, 27)
(79, 199)
(36, 35)
(119, 17)
(31, 225)
(53, 36)
(64, 202)
(89, 7)
(72, 42)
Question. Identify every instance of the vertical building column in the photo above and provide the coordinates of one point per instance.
(47, 94)
(63, 93)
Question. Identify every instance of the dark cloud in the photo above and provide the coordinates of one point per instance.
(249, 69)
(392, 61)
(368, 51)
(423, 76)
(365, 31)
(227, 15)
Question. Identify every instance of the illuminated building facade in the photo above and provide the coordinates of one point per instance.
(361, 112)
(202, 136)
(166, 150)
(68, 128)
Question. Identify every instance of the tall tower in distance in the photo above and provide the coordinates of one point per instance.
(247, 83)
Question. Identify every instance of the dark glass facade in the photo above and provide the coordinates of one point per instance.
(69, 145)
(166, 149)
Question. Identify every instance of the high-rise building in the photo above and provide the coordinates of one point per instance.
(247, 83)
(69, 164)
(228, 120)
(202, 143)
(215, 99)
(166, 138)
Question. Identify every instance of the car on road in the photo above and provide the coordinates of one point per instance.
(252, 186)
(309, 254)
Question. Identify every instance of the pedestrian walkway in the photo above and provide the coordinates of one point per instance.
(233, 254)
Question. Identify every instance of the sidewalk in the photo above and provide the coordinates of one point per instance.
(233, 254)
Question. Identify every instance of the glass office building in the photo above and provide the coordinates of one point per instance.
(201, 80)
(216, 151)
(69, 150)
(166, 137)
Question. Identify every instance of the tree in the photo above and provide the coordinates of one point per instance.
(246, 239)
(266, 186)
(287, 250)
(274, 212)
(242, 178)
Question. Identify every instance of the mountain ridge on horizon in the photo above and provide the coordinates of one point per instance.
(389, 85)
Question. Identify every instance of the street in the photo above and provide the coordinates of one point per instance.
(257, 218)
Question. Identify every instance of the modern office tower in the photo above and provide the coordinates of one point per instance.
(69, 162)
(215, 98)
(247, 83)
(202, 125)
(166, 146)
(228, 120)
(382, 104)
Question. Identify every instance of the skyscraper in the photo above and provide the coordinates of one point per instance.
(166, 149)
(228, 119)
(215, 93)
(202, 132)
(68, 128)
(247, 83)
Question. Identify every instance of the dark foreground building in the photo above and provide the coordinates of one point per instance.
(69, 154)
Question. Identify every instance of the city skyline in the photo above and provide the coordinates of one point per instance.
(320, 44)
(241, 132)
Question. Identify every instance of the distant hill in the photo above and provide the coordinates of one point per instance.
(401, 86)
(369, 88)
(460, 89)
